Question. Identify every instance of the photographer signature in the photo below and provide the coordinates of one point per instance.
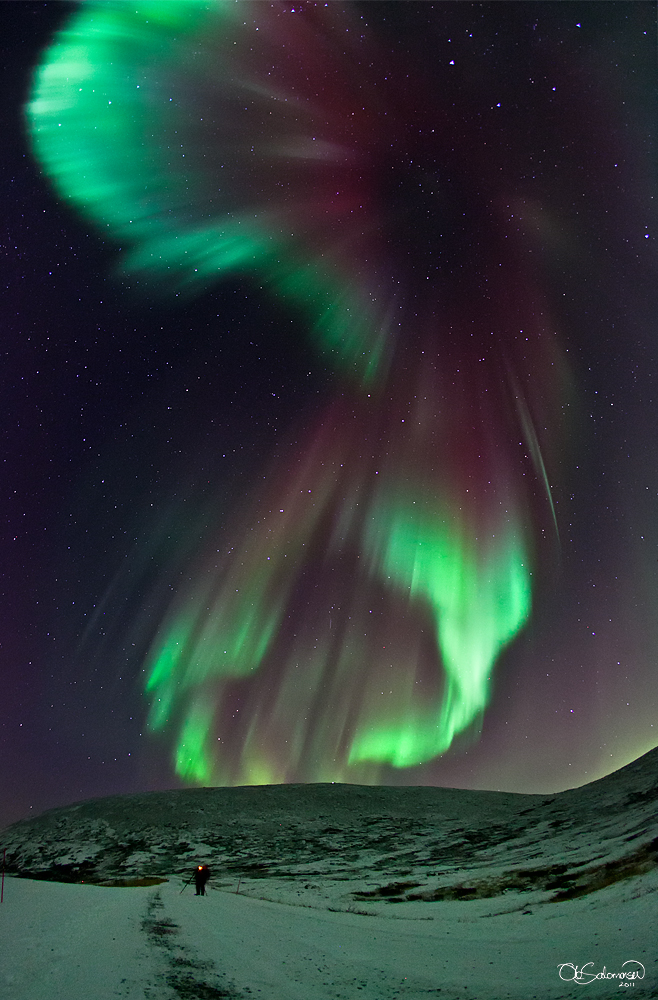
(572, 973)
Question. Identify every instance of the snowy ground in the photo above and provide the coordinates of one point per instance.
(344, 892)
(85, 942)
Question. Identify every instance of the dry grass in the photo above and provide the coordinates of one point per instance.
(569, 882)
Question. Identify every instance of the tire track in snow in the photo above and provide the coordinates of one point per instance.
(187, 976)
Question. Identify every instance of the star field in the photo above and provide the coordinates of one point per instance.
(329, 409)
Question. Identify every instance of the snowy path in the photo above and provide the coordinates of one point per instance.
(77, 942)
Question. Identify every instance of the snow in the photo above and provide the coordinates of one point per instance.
(70, 941)
(344, 892)
(77, 942)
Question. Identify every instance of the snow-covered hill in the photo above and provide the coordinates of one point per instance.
(343, 844)
(496, 895)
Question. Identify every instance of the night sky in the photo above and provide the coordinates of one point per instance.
(329, 399)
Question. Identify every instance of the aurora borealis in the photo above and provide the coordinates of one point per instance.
(417, 193)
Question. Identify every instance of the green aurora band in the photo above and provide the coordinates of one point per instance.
(117, 145)
(377, 578)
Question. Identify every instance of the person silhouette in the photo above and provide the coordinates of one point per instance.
(201, 876)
